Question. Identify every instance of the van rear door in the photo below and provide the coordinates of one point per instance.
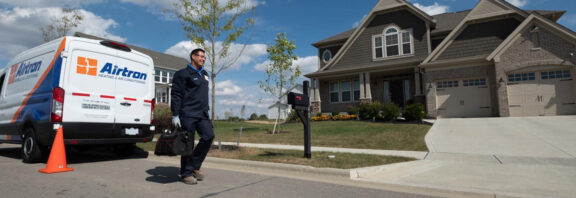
(90, 96)
(134, 88)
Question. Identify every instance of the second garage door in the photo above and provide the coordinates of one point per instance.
(541, 93)
(463, 98)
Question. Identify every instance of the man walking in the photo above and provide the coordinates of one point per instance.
(190, 111)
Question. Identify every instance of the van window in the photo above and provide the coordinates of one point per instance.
(2, 84)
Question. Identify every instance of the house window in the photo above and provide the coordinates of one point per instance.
(392, 47)
(346, 93)
(406, 43)
(446, 84)
(164, 77)
(524, 77)
(357, 90)
(378, 49)
(334, 92)
(560, 74)
(157, 76)
(326, 55)
(393, 42)
(475, 82)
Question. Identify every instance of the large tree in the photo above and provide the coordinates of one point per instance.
(60, 27)
(215, 25)
(281, 73)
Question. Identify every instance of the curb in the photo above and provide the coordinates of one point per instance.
(259, 165)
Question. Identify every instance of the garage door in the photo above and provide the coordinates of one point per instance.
(463, 98)
(541, 93)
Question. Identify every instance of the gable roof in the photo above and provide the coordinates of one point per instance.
(381, 6)
(534, 18)
(161, 60)
(483, 10)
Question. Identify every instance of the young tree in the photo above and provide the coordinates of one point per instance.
(215, 25)
(281, 73)
(61, 26)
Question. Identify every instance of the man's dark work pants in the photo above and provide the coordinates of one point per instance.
(206, 133)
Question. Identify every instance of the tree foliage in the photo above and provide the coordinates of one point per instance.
(281, 74)
(215, 25)
(62, 26)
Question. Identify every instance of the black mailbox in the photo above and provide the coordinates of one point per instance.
(298, 101)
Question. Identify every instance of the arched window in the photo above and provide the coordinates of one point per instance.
(392, 42)
(392, 46)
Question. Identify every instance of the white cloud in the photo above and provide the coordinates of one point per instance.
(308, 64)
(227, 88)
(19, 27)
(45, 3)
(158, 6)
(433, 9)
(518, 3)
(251, 52)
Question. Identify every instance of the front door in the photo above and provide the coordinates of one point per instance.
(397, 92)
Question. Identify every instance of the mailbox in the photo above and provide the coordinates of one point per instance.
(298, 101)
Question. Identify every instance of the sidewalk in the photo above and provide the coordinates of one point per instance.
(490, 175)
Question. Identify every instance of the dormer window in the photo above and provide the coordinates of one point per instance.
(326, 56)
(392, 42)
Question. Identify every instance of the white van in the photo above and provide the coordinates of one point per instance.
(100, 92)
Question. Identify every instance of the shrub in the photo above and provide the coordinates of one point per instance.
(335, 113)
(263, 117)
(253, 116)
(369, 111)
(162, 117)
(352, 110)
(318, 114)
(390, 111)
(293, 116)
(414, 112)
(234, 119)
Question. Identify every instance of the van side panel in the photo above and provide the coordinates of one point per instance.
(28, 92)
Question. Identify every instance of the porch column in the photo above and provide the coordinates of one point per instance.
(315, 103)
(361, 77)
(417, 84)
(367, 92)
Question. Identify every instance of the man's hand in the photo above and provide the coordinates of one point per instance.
(176, 122)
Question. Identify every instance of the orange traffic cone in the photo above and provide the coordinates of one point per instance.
(57, 160)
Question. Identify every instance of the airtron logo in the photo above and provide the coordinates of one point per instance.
(89, 66)
(23, 71)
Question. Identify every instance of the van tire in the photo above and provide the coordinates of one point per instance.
(31, 151)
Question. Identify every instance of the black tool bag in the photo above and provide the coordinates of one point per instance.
(174, 142)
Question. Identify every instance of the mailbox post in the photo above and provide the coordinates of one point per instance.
(301, 104)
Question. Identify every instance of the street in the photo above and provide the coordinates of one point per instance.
(99, 174)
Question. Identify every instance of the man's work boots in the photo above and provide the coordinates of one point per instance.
(189, 180)
(198, 175)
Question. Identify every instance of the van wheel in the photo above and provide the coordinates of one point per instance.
(124, 150)
(32, 152)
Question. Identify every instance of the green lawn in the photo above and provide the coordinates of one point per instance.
(344, 134)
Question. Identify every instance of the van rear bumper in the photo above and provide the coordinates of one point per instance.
(101, 133)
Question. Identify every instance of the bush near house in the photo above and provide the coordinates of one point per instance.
(162, 117)
(390, 112)
(369, 111)
(414, 112)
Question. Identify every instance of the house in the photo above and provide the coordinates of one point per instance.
(165, 66)
(285, 108)
(492, 60)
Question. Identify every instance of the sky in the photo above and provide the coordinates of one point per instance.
(143, 23)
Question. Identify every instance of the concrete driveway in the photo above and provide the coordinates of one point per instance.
(543, 137)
